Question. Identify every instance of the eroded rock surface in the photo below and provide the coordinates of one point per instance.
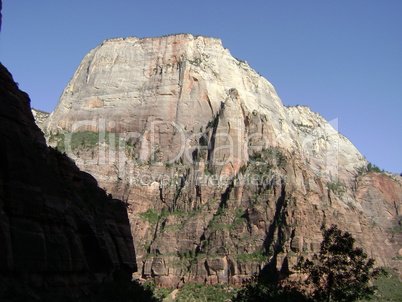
(39, 116)
(221, 179)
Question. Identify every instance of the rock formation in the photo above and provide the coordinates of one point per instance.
(221, 179)
(60, 234)
(39, 116)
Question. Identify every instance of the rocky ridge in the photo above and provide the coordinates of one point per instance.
(220, 178)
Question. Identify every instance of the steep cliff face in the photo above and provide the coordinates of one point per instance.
(59, 232)
(221, 179)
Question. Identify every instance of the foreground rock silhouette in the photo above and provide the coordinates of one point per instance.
(60, 234)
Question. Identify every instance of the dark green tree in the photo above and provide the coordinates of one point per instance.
(340, 271)
(259, 289)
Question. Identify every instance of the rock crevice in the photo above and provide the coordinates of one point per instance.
(224, 180)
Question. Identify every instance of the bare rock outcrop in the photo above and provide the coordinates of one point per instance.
(221, 179)
(39, 116)
(60, 234)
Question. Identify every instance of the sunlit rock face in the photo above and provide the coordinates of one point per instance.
(220, 178)
(39, 116)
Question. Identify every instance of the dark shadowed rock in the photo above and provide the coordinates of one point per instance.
(59, 232)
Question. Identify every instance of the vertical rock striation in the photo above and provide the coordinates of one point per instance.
(221, 179)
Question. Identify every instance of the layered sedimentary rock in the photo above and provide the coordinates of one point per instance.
(221, 179)
(60, 234)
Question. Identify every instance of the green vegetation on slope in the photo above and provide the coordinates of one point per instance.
(389, 287)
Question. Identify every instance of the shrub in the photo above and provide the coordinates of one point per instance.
(389, 286)
(203, 293)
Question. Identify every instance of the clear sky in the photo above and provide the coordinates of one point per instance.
(341, 58)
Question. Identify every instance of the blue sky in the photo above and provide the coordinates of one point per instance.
(341, 58)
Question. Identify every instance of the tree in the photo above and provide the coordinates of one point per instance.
(340, 272)
(259, 289)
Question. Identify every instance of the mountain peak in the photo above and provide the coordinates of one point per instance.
(180, 129)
